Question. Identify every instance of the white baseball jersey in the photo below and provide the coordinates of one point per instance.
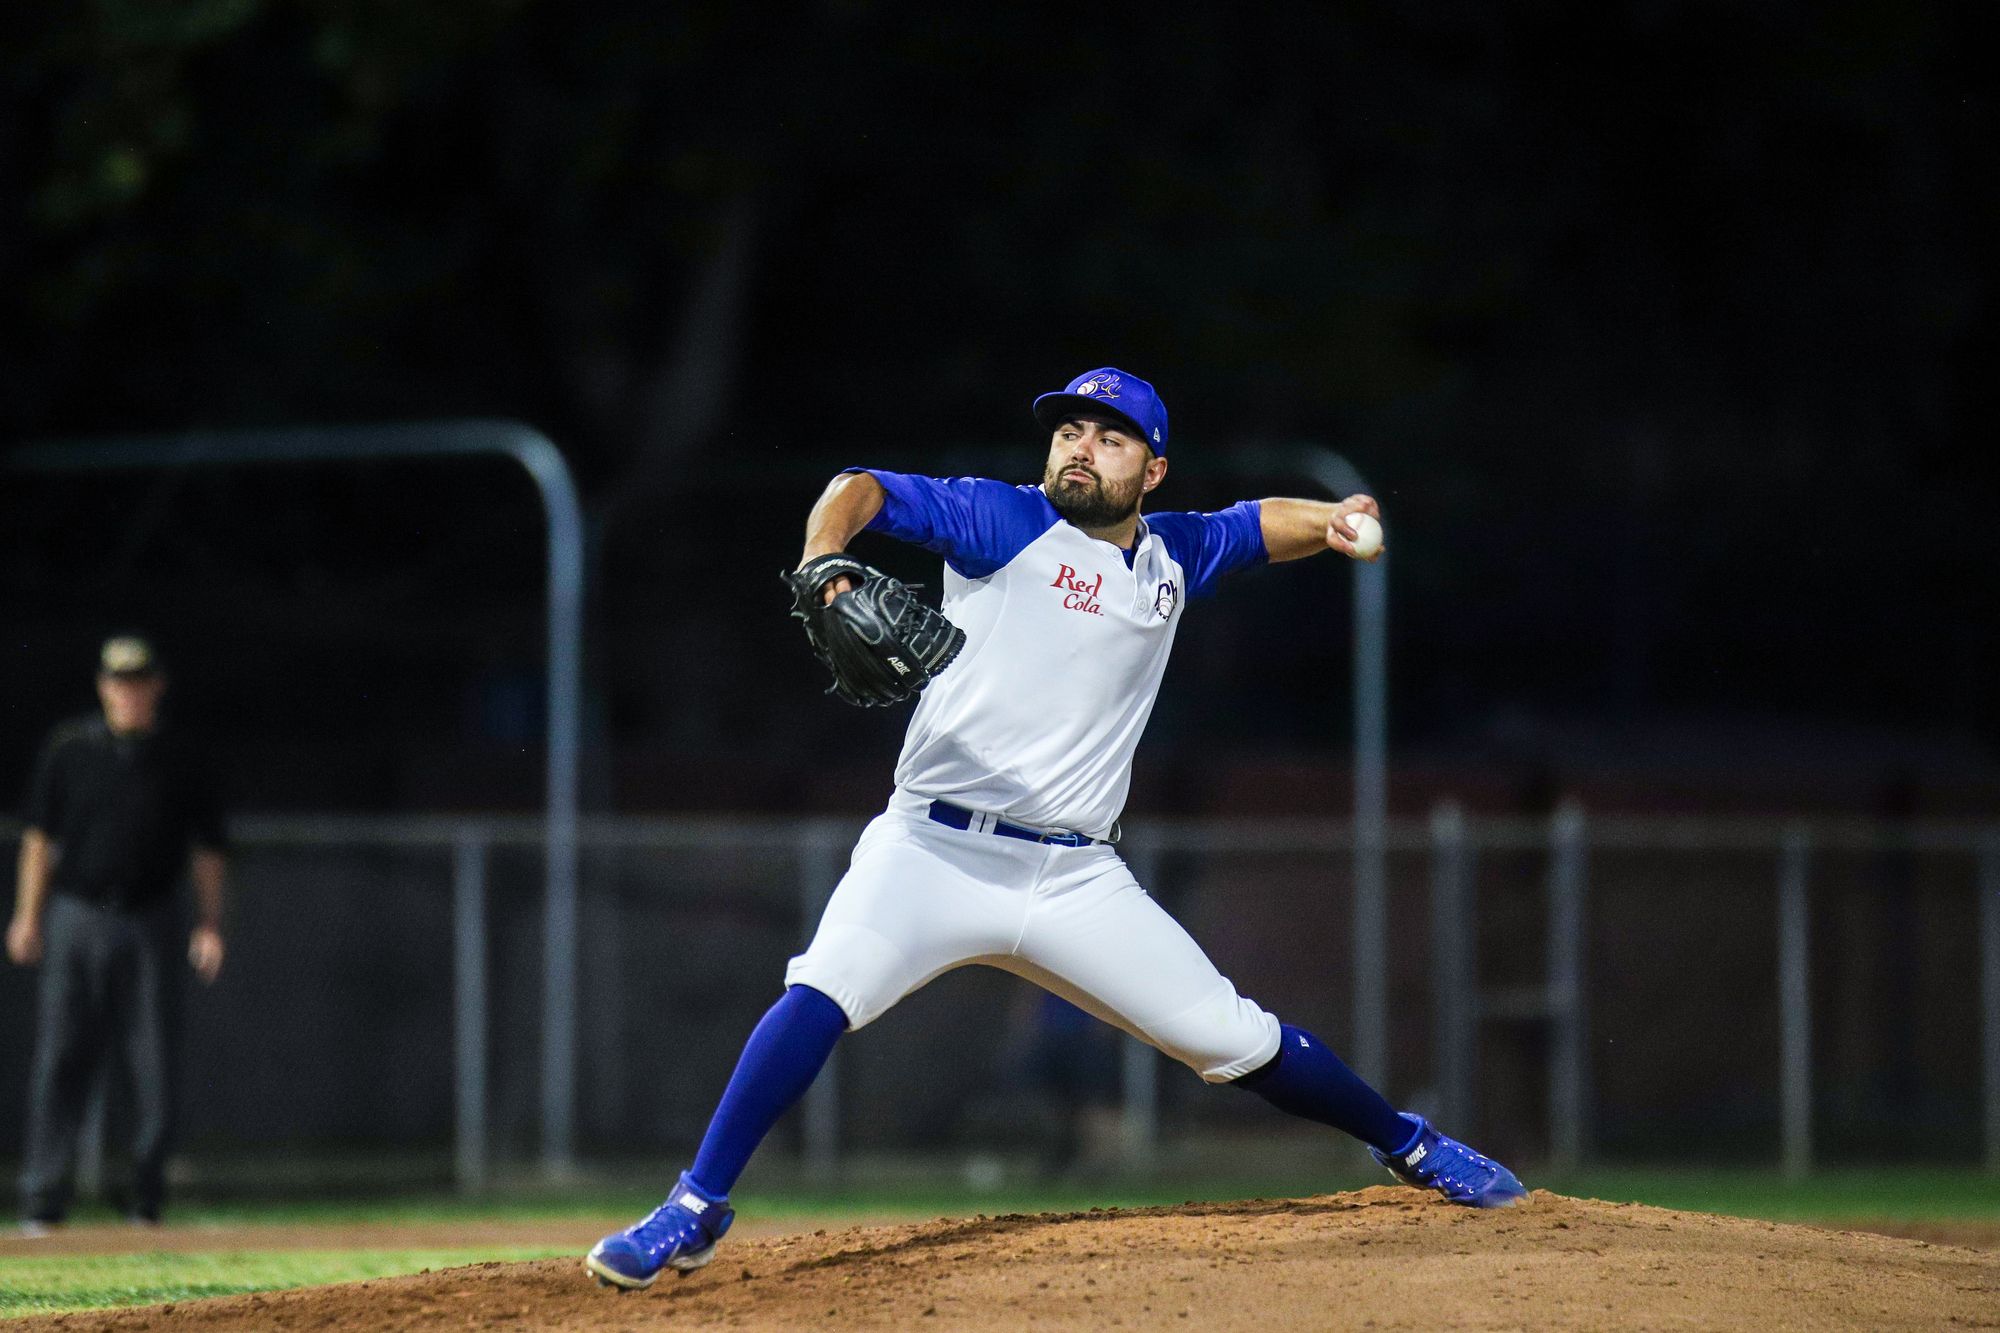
(1066, 640)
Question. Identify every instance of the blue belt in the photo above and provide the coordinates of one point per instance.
(957, 816)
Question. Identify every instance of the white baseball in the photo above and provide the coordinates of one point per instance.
(1367, 534)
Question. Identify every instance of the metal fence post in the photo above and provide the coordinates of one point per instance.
(1456, 982)
(1371, 815)
(1569, 1045)
(1989, 988)
(1369, 1048)
(469, 1005)
(819, 871)
(1139, 1065)
(1794, 1006)
(544, 464)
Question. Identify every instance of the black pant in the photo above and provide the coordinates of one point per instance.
(111, 984)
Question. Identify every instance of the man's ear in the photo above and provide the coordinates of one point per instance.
(1156, 472)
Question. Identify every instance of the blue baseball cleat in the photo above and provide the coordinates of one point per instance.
(679, 1234)
(1436, 1162)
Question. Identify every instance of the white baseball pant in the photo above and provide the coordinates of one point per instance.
(921, 898)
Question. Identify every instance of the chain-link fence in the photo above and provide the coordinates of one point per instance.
(1565, 989)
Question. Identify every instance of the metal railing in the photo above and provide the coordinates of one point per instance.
(1570, 839)
(1561, 854)
(556, 489)
(1453, 842)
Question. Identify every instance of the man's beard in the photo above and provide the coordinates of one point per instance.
(1091, 504)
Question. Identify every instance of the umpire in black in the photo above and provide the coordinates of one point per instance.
(121, 808)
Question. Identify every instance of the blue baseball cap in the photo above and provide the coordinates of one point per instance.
(1108, 392)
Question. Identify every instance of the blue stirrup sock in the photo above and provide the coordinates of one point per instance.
(1307, 1079)
(784, 1054)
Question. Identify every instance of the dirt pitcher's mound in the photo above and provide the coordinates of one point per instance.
(1377, 1258)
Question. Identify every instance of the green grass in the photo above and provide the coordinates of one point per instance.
(1889, 1193)
(917, 1198)
(47, 1284)
(55, 1283)
(1886, 1192)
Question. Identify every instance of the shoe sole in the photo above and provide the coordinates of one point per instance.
(1504, 1199)
(608, 1276)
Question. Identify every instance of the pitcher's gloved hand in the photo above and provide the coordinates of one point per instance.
(881, 644)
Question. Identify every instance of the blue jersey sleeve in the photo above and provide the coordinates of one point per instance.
(976, 525)
(1207, 546)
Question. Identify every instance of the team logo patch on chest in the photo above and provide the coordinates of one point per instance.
(1079, 593)
(1163, 601)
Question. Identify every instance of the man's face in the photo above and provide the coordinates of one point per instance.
(1098, 471)
(131, 703)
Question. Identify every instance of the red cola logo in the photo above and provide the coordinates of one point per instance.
(1080, 593)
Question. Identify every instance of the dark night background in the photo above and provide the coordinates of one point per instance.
(1662, 330)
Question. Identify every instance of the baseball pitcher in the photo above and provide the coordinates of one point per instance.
(999, 844)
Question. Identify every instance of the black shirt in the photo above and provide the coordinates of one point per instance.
(123, 811)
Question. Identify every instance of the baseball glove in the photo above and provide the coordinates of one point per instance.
(881, 644)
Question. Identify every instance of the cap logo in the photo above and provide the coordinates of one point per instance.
(1099, 386)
